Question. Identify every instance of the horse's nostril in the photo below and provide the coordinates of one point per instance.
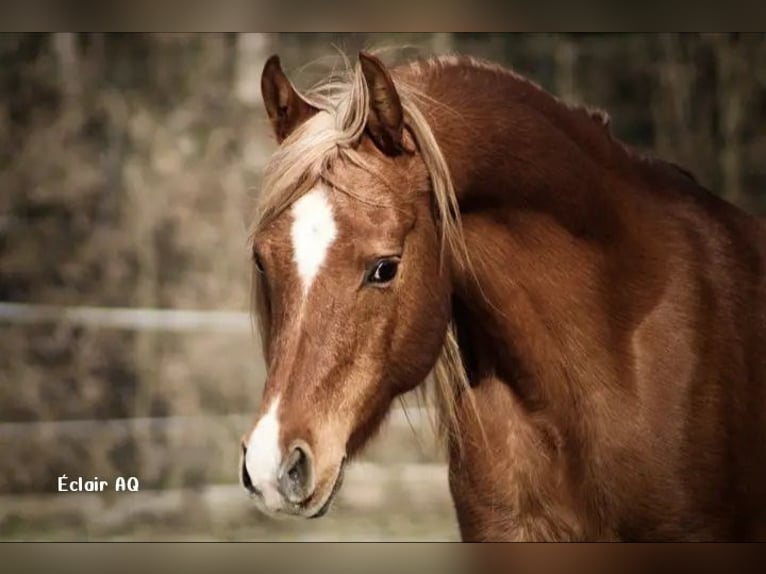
(296, 475)
(245, 476)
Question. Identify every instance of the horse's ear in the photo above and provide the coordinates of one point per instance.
(385, 120)
(284, 105)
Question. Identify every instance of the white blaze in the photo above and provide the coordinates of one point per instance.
(313, 232)
(263, 456)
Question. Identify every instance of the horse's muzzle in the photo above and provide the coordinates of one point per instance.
(294, 492)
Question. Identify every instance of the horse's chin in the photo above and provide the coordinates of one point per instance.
(324, 506)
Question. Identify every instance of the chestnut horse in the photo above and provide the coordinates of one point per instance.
(594, 320)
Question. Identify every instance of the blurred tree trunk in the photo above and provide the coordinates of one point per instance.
(733, 91)
(67, 60)
(672, 101)
(683, 107)
(565, 55)
(252, 52)
(441, 43)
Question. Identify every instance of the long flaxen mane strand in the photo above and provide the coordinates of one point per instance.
(307, 156)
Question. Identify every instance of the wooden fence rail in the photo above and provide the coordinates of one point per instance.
(130, 318)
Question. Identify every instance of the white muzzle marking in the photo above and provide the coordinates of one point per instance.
(264, 457)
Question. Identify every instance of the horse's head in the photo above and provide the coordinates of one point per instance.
(353, 294)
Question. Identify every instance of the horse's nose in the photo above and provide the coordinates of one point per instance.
(296, 475)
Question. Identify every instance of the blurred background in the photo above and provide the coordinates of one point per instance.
(128, 167)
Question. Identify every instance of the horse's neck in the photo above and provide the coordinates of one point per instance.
(541, 217)
(493, 126)
(511, 145)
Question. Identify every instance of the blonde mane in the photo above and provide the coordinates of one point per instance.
(307, 156)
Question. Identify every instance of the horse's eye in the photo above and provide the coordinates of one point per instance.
(383, 271)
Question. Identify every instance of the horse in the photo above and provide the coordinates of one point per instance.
(590, 319)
